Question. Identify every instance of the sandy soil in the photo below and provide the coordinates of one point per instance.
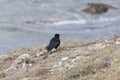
(95, 60)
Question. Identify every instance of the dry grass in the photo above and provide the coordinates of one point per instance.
(93, 63)
(38, 71)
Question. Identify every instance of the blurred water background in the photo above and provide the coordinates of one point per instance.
(26, 23)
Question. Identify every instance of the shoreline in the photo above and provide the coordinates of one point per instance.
(43, 45)
(72, 43)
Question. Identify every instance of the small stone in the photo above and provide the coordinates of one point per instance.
(30, 65)
(2, 74)
(39, 54)
(103, 70)
(77, 57)
(116, 60)
(24, 79)
(73, 60)
(65, 58)
(117, 42)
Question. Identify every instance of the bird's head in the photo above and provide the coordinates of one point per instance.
(57, 35)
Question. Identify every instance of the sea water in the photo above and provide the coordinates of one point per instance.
(25, 23)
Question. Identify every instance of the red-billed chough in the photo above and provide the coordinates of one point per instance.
(54, 43)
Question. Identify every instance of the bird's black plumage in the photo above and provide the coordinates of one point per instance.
(54, 43)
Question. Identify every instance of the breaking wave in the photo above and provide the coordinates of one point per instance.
(67, 22)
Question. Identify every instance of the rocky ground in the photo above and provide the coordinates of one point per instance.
(95, 60)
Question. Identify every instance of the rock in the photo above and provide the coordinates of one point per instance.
(24, 59)
(98, 8)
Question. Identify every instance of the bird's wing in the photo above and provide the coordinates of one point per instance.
(52, 44)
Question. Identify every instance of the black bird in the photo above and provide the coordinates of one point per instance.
(54, 43)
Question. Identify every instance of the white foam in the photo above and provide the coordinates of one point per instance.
(102, 19)
(66, 22)
(107, 19)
